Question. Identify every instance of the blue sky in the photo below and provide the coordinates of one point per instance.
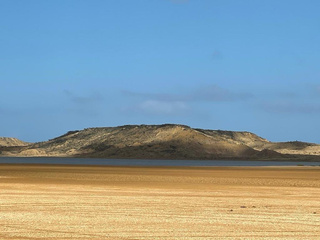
(217, 64)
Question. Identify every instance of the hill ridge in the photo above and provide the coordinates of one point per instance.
(165, 141)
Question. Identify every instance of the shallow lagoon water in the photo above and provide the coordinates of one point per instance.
(153, 162)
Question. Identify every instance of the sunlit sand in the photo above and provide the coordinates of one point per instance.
(88, 202)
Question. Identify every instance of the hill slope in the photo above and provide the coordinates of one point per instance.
(166, 141)
(10, 142)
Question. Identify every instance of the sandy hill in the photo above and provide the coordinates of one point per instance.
(168, 141)
(10, 142)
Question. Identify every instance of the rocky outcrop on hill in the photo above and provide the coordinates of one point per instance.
(168, 141)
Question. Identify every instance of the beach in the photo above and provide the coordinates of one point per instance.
(109, 202)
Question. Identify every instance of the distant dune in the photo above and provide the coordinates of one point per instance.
(168, 141)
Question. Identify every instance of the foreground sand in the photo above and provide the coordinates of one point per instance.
(79, 202)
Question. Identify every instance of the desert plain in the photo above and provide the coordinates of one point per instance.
(106, 202)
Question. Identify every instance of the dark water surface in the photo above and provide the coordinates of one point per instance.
(139, 162)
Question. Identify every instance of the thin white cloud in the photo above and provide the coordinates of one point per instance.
(86, 105)
(179, 1)
(284, 107)
(83, 100)
(214, 93)
(217, 55)
(162, 107)
(210, 93)
(179, 103)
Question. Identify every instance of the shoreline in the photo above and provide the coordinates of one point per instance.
(293, 158)
(157, 167)
(148, 162)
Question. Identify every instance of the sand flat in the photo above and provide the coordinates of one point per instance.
(92, 202)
